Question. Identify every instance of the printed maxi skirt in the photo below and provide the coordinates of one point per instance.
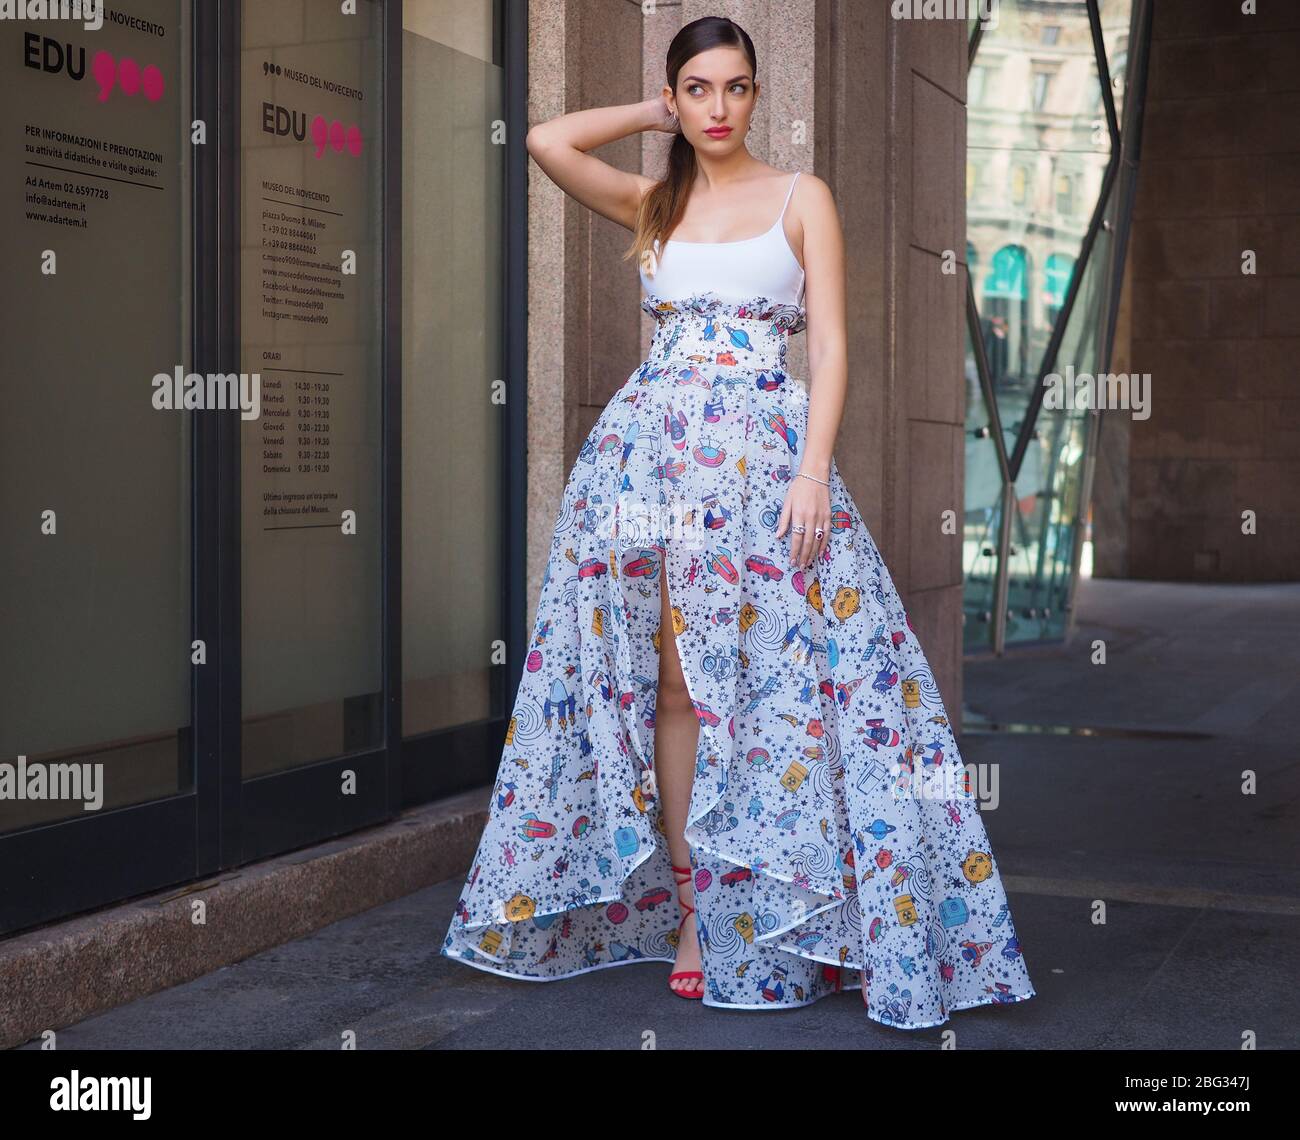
(834, 840)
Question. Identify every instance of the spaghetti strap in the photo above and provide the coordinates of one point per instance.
(788, 195)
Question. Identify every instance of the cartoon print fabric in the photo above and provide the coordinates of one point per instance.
(834, 842)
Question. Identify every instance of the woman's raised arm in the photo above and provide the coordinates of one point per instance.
(559, 147)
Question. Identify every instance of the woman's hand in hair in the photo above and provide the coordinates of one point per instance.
(666, 120)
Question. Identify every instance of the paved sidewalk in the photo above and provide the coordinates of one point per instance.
(1201, 883)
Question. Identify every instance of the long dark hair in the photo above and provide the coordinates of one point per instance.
(664, 203)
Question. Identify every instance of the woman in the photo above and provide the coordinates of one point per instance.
(723, 694)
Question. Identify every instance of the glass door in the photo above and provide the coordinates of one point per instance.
(314, 219)
(97, 638)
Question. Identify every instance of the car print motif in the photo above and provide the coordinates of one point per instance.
(705, 714)
(764, 568)
(652, 898)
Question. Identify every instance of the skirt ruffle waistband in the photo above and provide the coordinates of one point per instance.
(714, 331)
(721, 342)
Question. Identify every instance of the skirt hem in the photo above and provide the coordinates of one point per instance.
(991, 999)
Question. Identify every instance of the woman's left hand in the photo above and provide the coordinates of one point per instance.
(807, 505)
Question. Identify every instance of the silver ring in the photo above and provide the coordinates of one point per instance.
(799, 529)
(818, 532)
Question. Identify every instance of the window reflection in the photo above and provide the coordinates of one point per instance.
(1038, 148)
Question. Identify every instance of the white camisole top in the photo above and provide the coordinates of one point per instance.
(763, 266)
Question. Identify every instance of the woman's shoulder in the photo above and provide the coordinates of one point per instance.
(805, 180)
(810, 197)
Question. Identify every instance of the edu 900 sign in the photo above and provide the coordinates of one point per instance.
(281, 121)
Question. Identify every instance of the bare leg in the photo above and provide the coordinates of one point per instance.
(676, 735)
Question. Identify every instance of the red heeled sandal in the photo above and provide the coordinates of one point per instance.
(690, 910)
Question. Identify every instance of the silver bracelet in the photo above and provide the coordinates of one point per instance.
(814, 478)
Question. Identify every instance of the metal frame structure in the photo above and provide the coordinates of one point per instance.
(1131, 147)
(1123, 155)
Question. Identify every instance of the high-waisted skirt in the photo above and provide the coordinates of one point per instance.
(833, 834)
